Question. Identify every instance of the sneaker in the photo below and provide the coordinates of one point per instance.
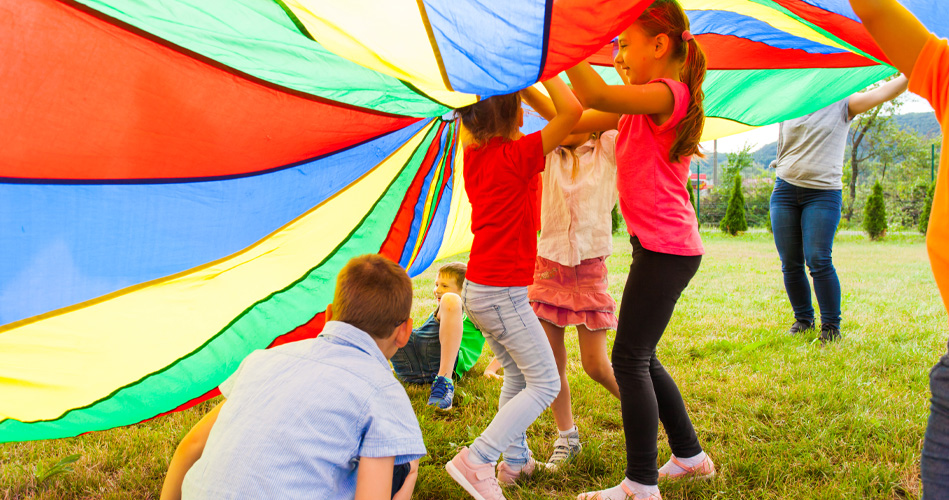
(610, 494)
(829, 333)
(443, 392)
(507, 476)
(477, 480)
(565, 448)
(800, 327)
(704, 470)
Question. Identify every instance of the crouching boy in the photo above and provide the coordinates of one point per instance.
(448, 342)
(319, 418)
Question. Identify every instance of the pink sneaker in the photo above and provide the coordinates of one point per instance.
(478, 480)
(704, 470)
(625, 493)
(507, 476)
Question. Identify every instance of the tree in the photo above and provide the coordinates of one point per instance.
(927, 208)
(871, 134)
(874, 213)
(741, 161)
(734, 221)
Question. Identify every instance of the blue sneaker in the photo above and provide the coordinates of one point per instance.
(443, 392)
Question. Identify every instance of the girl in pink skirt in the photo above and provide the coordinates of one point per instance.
(570, 276)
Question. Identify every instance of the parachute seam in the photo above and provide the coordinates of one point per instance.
(434, 44)
(548, 13)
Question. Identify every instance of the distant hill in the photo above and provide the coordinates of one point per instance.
(924, 124)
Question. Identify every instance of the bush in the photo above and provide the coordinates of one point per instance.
(874, 213)
(734, 221)
(927, 208)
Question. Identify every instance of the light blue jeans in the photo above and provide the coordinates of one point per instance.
(531, 381)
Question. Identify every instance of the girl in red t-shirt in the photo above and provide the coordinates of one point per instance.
(660, 117)
(500, 172)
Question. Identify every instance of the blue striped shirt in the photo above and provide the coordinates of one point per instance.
(298, 417)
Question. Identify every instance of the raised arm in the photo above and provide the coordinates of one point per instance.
(895, 30)
(649, 99)
(568, 113)
(590, 121)
(865, 101)
(188, 452)
(539, 102)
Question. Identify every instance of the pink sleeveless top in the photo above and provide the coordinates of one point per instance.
(652, 192)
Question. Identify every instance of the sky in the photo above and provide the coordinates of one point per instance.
(768, 134)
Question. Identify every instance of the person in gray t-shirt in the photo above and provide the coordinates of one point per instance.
(807, 200)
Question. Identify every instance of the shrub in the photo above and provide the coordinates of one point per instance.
(734, 221)
(927, 208)
(874, 213)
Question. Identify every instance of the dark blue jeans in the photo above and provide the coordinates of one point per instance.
(934, 464)
(804, 223)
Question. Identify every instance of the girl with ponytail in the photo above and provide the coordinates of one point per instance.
(660, 118)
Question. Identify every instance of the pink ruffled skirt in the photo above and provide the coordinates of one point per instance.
(578, 295)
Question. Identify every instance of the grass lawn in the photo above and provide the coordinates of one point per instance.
(783, 417)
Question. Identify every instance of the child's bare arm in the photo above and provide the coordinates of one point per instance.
(405, 493)
(590, 121)
(895, 30)
(450, 331)
(865, 101)
(568, 113)
(539, 102)
(374, 478)
(188, 452)
(593, 92)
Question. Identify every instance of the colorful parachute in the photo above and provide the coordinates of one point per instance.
(180, 181)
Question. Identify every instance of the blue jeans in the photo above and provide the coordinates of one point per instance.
(531, 381)
(418, 362)
(804, 223)
(934, 464)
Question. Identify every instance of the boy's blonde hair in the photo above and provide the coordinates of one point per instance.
(455, 270)
(373, 294)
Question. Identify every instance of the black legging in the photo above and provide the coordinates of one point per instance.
(647, 392)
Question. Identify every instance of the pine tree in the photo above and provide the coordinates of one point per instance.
(874, 213)
(927, 208)
(734, 221)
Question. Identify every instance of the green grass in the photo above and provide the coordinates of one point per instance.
(782, 416)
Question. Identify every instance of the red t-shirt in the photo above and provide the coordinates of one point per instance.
(501, 182)
(652, 193)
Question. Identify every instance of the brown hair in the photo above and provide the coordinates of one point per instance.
(456, 271)
(373, 294)
(667, 16)
(492, 117)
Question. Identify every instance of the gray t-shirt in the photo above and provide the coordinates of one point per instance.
(811, 148)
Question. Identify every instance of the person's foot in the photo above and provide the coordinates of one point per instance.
(565, 448)
(800, 327)
(477, 479)
(627, 490)
(698, 467)
(507, 475)
(829, 333)
(443, 393)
